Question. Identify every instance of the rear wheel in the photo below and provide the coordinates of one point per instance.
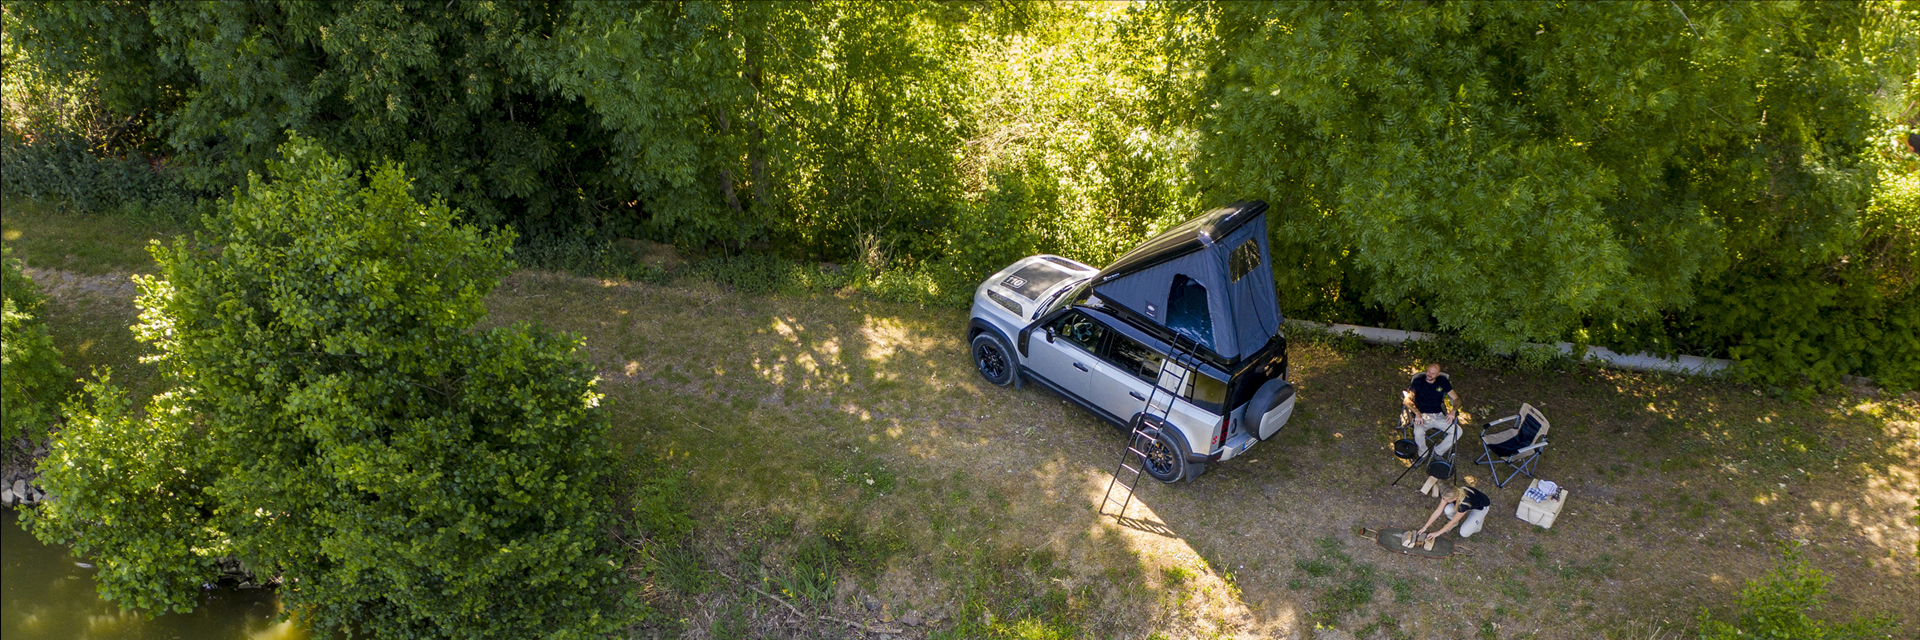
(993, 359)
(1164, 459)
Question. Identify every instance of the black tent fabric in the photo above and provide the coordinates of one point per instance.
(1209, 279)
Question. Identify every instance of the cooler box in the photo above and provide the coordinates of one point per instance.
(1541, 512)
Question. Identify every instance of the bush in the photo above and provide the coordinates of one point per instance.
(59, 168)
(1776, 606)
(32, 380)
(336, 420)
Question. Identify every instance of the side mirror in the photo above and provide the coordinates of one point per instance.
(1049, 335)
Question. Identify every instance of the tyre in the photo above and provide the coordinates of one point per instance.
(1164, 458)
(993, 359)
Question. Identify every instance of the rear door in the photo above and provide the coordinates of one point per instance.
(1063, 351)
(1123, 381)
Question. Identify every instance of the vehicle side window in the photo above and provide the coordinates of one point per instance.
(1080, 330)
(1134, 357)
(1147, 364)
(1208, 394)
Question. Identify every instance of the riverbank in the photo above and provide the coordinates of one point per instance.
(47, 593)
(841, 470)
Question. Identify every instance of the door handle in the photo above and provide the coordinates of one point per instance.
(1136, 395)
(1079, 366)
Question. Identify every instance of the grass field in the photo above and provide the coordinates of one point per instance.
(829, 465)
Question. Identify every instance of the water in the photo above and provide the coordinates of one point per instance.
(44, 594)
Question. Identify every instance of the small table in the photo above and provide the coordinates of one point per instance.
(1541, 513)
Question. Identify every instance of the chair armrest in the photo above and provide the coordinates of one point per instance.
(1510, 418)
(1530, 447)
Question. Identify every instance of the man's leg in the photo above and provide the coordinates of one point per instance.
(1422, 424)
(1452, 433)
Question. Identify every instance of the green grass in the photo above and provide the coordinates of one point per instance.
(827, 445)
(46, 237)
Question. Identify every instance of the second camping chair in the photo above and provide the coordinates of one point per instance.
(1517, 446)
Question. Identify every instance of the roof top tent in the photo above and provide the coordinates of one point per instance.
(1210, 280)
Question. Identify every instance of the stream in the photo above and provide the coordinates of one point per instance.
(46, 593)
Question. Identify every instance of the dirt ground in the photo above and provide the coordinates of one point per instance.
(949, 508)
(1681, 490)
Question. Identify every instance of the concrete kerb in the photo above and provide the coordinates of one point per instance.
(1643, 361)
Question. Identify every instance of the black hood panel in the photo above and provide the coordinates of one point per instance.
(1035, 279)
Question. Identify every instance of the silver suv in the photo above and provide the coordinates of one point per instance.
(1188, 320)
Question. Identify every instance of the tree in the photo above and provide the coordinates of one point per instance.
(32, 380)
(334, 419)
(1678, 176)
(1509, 169)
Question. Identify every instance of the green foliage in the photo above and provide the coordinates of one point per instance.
(134, 494)
(1776, 607)
(336, 420)
(67, 137)
(1697, 177)
(32, 380)
(65, 170)
(1513, 171)
(845, 131)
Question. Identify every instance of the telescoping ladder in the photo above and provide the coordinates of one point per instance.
(1146, 427)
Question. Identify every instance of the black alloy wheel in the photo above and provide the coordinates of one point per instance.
(1162, 458)
(991, 358)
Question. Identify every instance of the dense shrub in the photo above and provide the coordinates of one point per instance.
(1696, 177)
(32, 380)
(335, 419)
(1522, 171)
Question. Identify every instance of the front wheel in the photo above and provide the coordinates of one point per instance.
(993, 359)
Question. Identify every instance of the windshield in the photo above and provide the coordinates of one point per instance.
(1062, 298)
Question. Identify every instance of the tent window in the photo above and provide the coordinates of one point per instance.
(1243, 259)
(1187, 311)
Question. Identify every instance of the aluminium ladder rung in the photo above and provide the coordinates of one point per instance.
(1186, 360)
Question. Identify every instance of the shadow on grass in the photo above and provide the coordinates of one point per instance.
(837, 437)
(838, 408)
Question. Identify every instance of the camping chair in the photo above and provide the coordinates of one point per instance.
(1439, 466)
(1518, 447)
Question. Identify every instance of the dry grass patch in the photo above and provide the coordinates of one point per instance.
(840, 455)
(842, 409)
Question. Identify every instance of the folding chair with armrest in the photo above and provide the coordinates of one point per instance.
(1517, 447)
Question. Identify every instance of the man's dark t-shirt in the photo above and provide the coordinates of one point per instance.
(1430, 397)
(1475, 500)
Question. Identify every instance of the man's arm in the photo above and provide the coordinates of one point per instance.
(1406, 398)
(1453, 411)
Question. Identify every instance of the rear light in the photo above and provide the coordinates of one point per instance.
(1225, 423)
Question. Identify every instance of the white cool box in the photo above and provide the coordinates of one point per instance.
(1541, 512)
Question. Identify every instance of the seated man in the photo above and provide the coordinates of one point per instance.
(1464, 507)
(1427, 395)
